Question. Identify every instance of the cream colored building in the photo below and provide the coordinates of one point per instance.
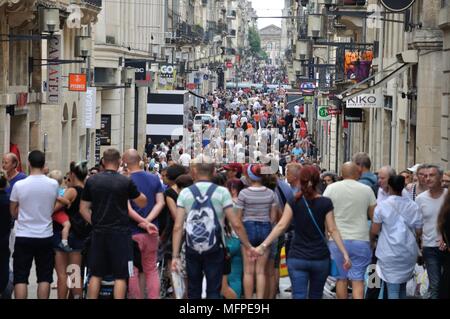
(412, 125)
(444, 24)
(271, 43)
(28, 119)
(196, 36)
(126, 30)
(410, 128)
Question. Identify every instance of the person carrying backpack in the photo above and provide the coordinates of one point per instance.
(201, 209)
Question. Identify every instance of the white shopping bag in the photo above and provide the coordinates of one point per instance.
(418, 285)
(178, 285)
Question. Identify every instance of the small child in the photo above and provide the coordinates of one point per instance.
(61, 216)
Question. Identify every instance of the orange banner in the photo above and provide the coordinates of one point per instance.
(77, 82)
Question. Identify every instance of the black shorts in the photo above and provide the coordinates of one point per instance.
(111, 254)
(39, 249)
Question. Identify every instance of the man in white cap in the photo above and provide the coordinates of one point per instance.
(419, 186)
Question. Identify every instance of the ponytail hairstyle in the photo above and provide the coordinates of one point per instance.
(397, 183)
(80, 170)
(309, 179)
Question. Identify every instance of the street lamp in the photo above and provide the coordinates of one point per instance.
(48, 25)
(49, 20)
(155, 50)
(83, 46)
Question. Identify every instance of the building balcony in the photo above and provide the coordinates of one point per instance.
(190, 34)
(350, 4)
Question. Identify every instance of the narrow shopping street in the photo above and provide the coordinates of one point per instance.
(224, 149)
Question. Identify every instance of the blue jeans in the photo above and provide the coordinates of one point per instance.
(303, 272)
(211, 265)
(396, 291)
(257, 232)
(4, 261)
(433, 259)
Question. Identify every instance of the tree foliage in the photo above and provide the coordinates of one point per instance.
(255, 44)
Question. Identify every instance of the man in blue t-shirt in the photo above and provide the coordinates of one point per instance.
(297, 151)
(150, 186)
(10, 163)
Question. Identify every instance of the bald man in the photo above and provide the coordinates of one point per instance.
(384, 174)
(353, 202)
(9, 165)
(150, 185)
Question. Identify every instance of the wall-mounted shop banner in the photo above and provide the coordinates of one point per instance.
(54, 70)
(308, 88)
(90, 106)
(105, 130)
(143, 76)
(357, 65)
(167, 77)
(322, 113)
(353, 115)
(365, 101)
(397, 5)
(77, 82)
(309, 99)
(97, 147)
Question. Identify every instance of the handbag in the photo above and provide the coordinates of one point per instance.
(334, 270)
(227, 262)
(227, 258)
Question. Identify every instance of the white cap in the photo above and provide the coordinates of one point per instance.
(414, 168)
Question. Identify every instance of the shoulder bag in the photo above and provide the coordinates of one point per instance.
(334, 271)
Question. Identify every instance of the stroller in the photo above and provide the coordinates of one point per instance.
(107, 285)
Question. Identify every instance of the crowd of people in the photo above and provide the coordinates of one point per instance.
(159, 225)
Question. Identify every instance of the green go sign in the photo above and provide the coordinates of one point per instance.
(322, 113)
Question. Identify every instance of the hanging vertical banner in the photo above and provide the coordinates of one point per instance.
(105, 130)
(357, 64)
(97, 147)
(90, 107)
(54, 71)
(311, 71)
(309, 99)
(167, 77)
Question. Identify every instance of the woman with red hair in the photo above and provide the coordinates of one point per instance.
(308, 260)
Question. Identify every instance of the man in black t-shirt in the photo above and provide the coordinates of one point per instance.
(149, 146)
(104, 204)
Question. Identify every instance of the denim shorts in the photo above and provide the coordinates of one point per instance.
(257, 232)
(360, 254)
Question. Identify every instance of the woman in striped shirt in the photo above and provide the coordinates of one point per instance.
(257, 207)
